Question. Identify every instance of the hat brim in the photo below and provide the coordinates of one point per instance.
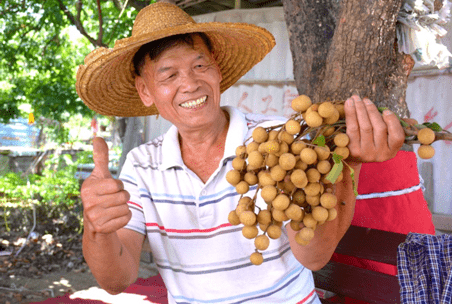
(106, 83)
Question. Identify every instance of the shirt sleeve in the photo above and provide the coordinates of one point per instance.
(130, 179)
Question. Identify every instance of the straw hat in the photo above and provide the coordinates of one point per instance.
(106, 83)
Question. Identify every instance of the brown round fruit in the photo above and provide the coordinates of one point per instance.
(260, 135)
(426, 151)
(301, 103)
(274, 231)
(261, 242)
(256, 258)
(426, 136)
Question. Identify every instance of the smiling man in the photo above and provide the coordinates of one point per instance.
(172, 191)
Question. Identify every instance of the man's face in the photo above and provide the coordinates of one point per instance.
(184, 84)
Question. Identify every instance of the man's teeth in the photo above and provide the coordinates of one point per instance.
(194, 103)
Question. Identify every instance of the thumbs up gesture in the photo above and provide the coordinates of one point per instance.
(104, 198)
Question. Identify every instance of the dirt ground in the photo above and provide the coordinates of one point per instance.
(24, 290)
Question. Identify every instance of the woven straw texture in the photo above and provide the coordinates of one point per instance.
(106, 83)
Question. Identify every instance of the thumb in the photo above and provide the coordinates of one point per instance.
(100, 157)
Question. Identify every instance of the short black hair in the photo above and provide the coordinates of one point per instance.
(154, 48)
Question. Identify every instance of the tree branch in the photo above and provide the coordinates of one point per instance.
(101, 30)
(78, 25)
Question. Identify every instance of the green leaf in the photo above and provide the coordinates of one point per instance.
(352, 174)
(337, 158)
(434, 126)
(320, 141)
(335, 171)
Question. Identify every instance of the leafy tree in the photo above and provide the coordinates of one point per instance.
(40, 54)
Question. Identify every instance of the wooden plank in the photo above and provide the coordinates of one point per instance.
(357, 283)
(371, 244)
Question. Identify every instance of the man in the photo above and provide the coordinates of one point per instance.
(173, 191)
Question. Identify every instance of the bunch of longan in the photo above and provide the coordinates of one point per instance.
(293, 165)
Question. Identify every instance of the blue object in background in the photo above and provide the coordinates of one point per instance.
(18, 133)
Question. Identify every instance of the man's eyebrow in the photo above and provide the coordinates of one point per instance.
(164, 69)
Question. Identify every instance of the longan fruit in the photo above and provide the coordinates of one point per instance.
(288, 185)
(281, 202)
(301, 241)
(250, 178)
(271, 160)
(256, 258)
(301, 165)
(313, 200)
(299, 178)
(238, 163)
(242, 187)
(240, 151)
(283, 148)
(426, 136)
(319, 213)
(293, 127)
(309, 221)
(250, 231)
(273, 134)
(312, 189)
(259, 135)
(294, 212)
(426, 151)
(297, 146)
(340, 108)
(326, 109)
(328, 131)
(333, 118)
(308, 156)
(323, 153)
(313, 175)
(341, 140)
(279, 215)
(247, 218)
(287, 161)
(313, 119)
(243, 206)
(305, 234)
(265, 178)
(299, 197)
(264, 217)
(286, 137)
(274, 231)
(323, 166)
(252, 146)
(328, 200)
(263, 227)
(233, 218)
(233, 177)
(332, 214)
(255, 159)
(271, 146)
(277, 173)
(342, 151)
(261, 242)
(301, 103)
(268, 193)
(296, 225)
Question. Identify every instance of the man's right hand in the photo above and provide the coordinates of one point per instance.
(104, 198)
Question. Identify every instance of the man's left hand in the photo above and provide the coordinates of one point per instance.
(374, 137)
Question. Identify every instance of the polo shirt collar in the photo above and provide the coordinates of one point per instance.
(172, 157)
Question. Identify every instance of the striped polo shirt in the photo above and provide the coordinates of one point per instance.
(201, 257)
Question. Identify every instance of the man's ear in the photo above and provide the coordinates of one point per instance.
(143, 91)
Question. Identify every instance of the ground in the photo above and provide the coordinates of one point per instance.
(46, 266)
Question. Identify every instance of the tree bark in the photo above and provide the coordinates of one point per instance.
(345, 47)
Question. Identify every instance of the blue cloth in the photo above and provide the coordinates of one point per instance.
(424, 264)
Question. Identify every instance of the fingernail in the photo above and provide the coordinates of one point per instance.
(387, 112)
(368, 102)
(350, 102)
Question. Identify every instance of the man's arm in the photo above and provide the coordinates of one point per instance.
(112, 252)
(373, 138)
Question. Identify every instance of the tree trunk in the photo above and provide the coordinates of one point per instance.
(345, 47)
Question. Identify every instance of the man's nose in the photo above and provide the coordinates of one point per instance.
(189, 81)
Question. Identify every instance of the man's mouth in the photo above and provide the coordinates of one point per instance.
(194, 103)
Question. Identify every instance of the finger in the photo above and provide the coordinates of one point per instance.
(110, 219)
(351, 122)
(379, 127)
(365, 125)
(111, 200)
(100, 157)
(396, 134)
(93, 187)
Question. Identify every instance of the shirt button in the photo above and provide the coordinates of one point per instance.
(204, 192)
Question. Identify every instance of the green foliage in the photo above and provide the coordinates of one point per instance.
(55, 193)
(42, 46)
